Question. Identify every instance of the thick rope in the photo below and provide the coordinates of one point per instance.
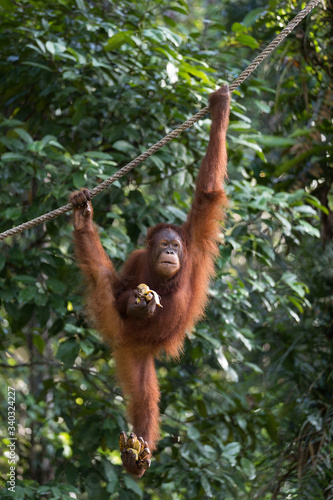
(172, 135)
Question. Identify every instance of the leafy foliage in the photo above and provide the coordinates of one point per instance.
(85, 87)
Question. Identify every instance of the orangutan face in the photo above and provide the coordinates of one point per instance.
(167, 253)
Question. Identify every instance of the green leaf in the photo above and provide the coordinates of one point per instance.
(81, 5)
(13, 157)
(54, 143)
(238, 28)
(123, 146)
(79, 179)
(56, 286)
(39, 343)
(68, 351)
(177, 212)
(184, 9)
(292, 281)
(253, 15)
(206, 486)
(304, 227)
(27, 294)
(272, 140)
(248, 468)
(158, 162)
(239, 126)
(193, 433)
(315, 202)
(187, 68)
(252, 145)
(111, 475)
(247, 40)
(38, 65)
(24, 135)
(133, 486)
(230, 452)
(231, 449)
(24, 278)
(48, 140)
(297, 303)
(118, 40)
(260, 203)
(254, 367)
(87, 347)
(285, 222)
(55, 48)
(98, 155)
(13, 213)
(245, 341)
(306, 209)
(154, 34)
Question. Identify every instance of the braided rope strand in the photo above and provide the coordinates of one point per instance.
(171, 135)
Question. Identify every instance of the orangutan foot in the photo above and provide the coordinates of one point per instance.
(134, 454)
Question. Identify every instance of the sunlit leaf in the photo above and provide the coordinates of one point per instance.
(117, 40)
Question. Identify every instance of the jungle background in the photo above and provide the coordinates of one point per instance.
(85, 87)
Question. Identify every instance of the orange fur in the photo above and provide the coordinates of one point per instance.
(135, 342)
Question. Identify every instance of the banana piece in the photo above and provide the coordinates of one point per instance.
(142, 444)
(148, 294)
(135, 453)
(131, 441)
(144, 454)
(145, 464)
(122, 441)
(138, 447)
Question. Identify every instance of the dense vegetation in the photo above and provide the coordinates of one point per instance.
(86, 86)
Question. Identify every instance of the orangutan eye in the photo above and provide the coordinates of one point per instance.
(164, 244)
